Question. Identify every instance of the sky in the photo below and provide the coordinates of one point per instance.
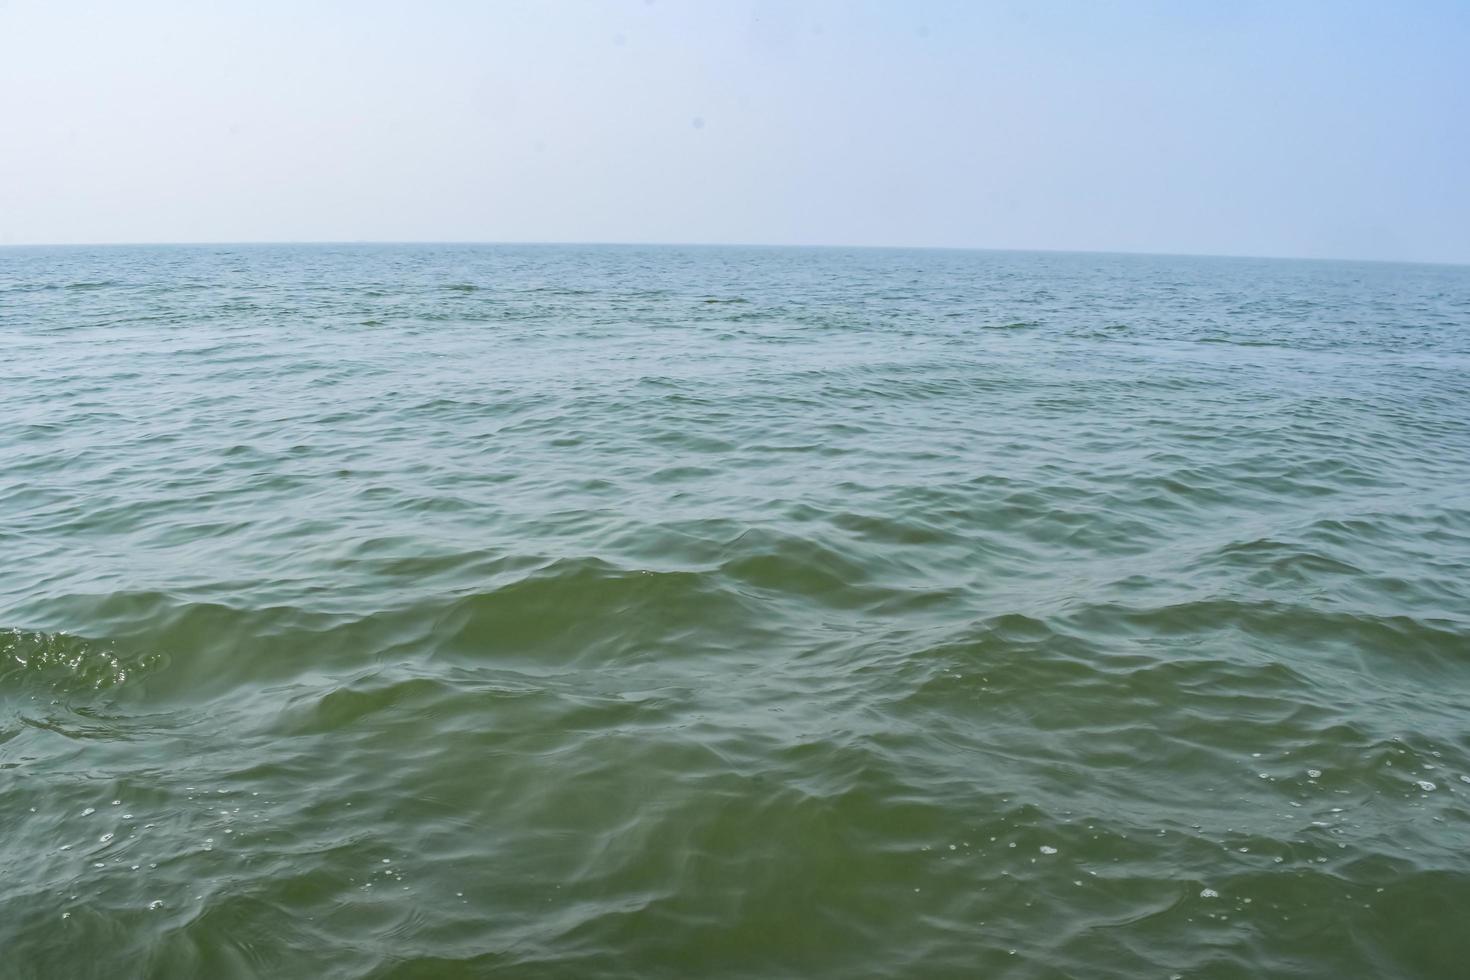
(1333, 129)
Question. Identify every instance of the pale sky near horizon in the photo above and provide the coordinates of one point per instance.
(1241, 127)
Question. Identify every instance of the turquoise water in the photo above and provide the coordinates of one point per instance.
(448, 611)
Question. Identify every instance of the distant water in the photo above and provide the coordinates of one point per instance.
(703, 612)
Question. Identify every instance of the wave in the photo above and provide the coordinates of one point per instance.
(62, 662)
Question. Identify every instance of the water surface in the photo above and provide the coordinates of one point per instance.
(448, 611)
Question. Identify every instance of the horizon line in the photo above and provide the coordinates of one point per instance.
(204, 243)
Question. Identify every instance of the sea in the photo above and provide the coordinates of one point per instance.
(459, 611)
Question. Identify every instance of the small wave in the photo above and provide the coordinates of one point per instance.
(66, 662)
(559, 291)
(79, 286)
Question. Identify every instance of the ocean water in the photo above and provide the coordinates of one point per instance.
(470, 611)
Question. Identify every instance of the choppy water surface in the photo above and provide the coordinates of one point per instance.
(658, 612)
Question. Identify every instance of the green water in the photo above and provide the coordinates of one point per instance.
(656, 612)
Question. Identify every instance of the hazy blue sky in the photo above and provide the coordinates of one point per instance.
(1265, 128)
